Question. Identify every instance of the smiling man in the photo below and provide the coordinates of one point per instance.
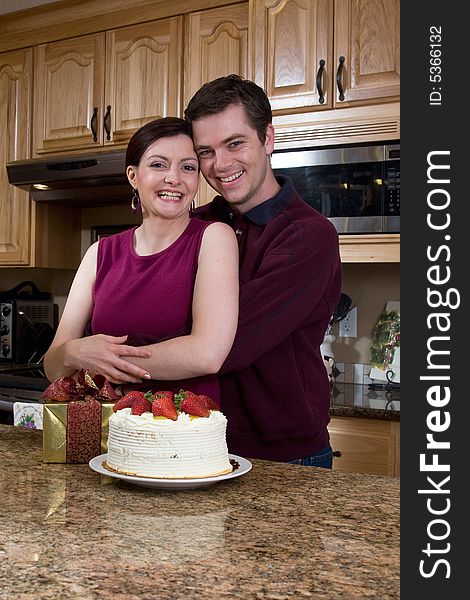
(274, 386)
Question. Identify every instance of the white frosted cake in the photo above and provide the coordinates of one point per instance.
(148, 446)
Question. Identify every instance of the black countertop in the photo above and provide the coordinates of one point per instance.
(351, 400)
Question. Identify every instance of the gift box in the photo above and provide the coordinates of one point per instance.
(75, 432)
(75, 418)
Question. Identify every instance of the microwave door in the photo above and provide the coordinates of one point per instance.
(325, 204)
(356, 188)
(357, 224)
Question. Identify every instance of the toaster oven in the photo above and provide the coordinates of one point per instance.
(26, 329)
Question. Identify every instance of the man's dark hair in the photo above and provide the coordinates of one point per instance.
(217, 95)
(150, 133)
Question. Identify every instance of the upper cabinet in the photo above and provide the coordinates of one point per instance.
(329, 67)
(98, 89)
(216, 44)
(367, 37)
(15, 123)
(143, 76)
(315, 54)
(69, 94)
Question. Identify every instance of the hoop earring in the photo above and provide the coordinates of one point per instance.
(192, 208)
(135, 202)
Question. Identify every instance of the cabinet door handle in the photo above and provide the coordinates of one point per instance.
(107, 123)
(337, 453)
(339, 77)
(321, 96)
(94, 124)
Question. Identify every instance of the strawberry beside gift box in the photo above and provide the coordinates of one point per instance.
(75, 417)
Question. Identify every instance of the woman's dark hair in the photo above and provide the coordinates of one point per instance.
(150, 133)
(217, 95)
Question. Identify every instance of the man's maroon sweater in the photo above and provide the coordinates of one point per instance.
(274, 387)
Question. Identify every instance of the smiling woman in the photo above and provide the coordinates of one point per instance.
(158, 302)
(164, 177)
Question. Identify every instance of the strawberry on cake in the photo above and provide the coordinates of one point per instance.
(166, 435)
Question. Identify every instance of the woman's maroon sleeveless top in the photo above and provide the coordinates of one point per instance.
(149, 298)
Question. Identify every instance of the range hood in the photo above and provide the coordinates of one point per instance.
(96, 179)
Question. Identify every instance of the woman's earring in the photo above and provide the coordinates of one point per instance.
(135, 202)
(192, 207)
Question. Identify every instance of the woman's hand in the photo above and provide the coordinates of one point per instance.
(102, 354)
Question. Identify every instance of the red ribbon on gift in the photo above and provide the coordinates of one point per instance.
(83, 392)
(83, 441)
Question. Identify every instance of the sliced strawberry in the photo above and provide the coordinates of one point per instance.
(163, 406)
(62, 389)
(208, 402)
(193, 405)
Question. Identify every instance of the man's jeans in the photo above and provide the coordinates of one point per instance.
(321, 458)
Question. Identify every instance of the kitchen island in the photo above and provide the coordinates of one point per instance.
(279, 531)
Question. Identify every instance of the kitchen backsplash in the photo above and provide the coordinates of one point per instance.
(370, 287)
(356, 373)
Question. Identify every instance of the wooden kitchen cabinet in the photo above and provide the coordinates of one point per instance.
(367, 248)
(367, 35)
(216, 44)
(312, 55)
(143, 76)
(15, 123)
(30, 235)
(366, 445)
(291, 46)
(96, 90)
(69, 94)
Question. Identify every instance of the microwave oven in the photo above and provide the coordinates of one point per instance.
(356, 187)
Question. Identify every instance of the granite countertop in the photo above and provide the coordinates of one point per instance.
(280, 531)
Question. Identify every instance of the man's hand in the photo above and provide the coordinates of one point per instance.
(102, 354)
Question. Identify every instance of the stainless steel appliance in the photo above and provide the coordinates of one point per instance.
(27, 323)
(94, 179)
(356, 187)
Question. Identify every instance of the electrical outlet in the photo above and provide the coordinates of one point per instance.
(348, 325)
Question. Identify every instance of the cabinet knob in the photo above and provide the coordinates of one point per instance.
(339, 77)
(107, 123)
(321, 95)
(337, 453)
(94, 124)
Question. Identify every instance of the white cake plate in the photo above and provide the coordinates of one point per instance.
(172, 484)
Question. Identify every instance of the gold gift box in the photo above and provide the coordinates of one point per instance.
(55, 430)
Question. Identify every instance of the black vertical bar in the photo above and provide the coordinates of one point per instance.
(434, 246)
